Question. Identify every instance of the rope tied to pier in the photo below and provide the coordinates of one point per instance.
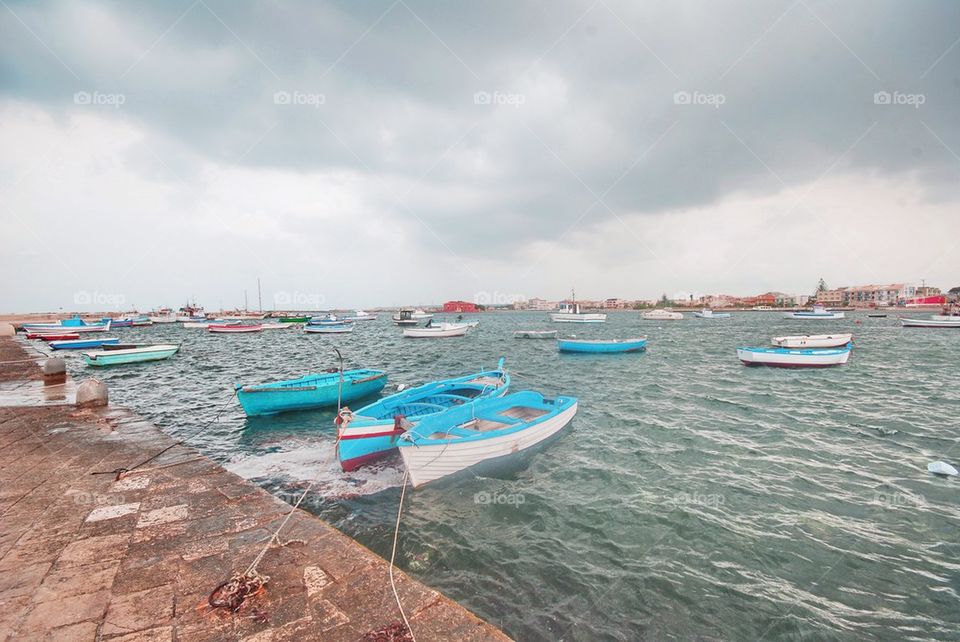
(120, 472)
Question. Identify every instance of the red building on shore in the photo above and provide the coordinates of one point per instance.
(460, 306)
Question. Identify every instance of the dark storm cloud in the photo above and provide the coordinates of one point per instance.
(588, 92)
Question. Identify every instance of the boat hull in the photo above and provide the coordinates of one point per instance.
(234, 329)
(661, 316)
(814, 316)
(930, 323)
(793, 358)
(430, 462)
(813, 341)
(328, 329)
(122, 357)
(80, 344)
(438, 332)
(312, 391)
(572, 317)
(600, 346)
(66, 336)
(535, 334)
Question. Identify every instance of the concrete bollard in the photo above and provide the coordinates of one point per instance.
(7, 330)
(92, 393)
(54, 370)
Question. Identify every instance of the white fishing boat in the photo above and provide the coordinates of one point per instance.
(276, 326)
(817, 313)
(710, 314)
(202, 325)
(931, 323)
(360, 315)
(169, 318)
(794, 358)
(438, 330)
(405, 318)
(661, 314)
(534, 334)
(483, 432)
(420, 314)
(569, 312)
(813, 341)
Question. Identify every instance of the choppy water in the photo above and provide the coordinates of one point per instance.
(691, 497)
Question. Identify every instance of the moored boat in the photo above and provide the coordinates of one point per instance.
(420, 314)
(141, 321)
(602, 345)
(360, 315)
(76, 324)
(813, 340)
(438, 330)
(710, 314)
(53, 336)
(661, 314)
(341, 328)
(535, 334)
(202, 324)
(276, 326)
(482, 433)
(295, 319)
(234, 328)
(794, 358)
(122, 354)
(818, 312)
(123, 322)
(371, 433)
(569, 312)
(79, 344)
(405, 317)
(930, 323)
(310, 391)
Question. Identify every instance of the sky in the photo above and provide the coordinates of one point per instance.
(399, 152)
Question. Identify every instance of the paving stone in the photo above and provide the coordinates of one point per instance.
(61, 612)
(112, 512)
(22, 581)
(64, 581)
(147, 609)
(94, 549)
(74, 633)
(164, 515)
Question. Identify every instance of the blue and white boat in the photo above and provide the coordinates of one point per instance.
(638, 344)
(79, 344)
(125, 322)
(819, 313)
(795, 357)
(113, 355)
(329, 328)
(710, 314)
(310, 391)
(371, 432)
(485, 432)
(76, 324)
(328, 319)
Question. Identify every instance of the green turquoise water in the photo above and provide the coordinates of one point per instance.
(691, 497)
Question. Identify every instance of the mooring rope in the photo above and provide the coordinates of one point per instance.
(393, 554)
(119, 472)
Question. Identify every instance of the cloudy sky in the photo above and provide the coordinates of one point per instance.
(399, 152)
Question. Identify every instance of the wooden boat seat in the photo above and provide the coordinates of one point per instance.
(481, 424)
(524, 413)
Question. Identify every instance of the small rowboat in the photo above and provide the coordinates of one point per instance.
(710, 314)
(602, 345)
(661, 315)
(276, 326)
(438, 330)
(342, 328)
(164, 319)
(142, 321)
(125, 353)
(482, 433)
(302, 319)
(120, 323)
(360, 315)
(371, 433)
(930, 323)
(813, 341)
(234, 328)
(794, 358)
(819, 313)
(80, 344)
(310, 391)
(877, 316)
(535, 334)
(203, 325)
(51, 336)
(76, 324)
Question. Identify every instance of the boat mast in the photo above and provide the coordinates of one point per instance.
(259, 297)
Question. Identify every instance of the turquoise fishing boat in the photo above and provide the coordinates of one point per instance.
(487, 431)
(126, 353)
(81, 344)
(371, 432)
(602, 345)
(310, 391)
